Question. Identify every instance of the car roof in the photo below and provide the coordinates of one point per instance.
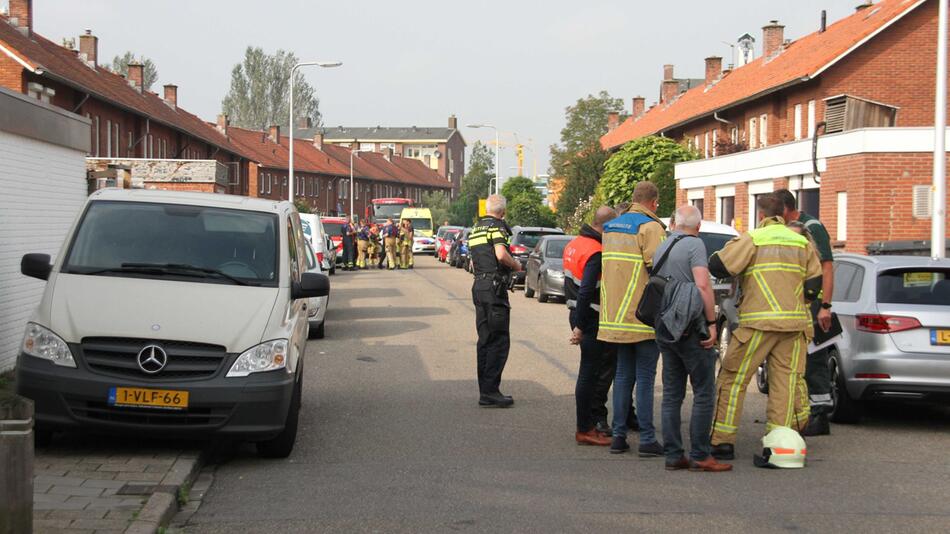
(557, 237)
(519, 229)
(708, 227)
(895, 262)
(191, 198)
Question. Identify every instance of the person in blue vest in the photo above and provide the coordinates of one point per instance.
(362, 245)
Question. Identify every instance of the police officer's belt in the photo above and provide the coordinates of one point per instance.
(482, 276)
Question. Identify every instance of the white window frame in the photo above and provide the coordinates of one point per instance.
(715, 139)
(797, 122)
(811, 120)
(763, 130)
(706, 144)
(108, 138)
(841, 225)
(724, 191)
(753, 132)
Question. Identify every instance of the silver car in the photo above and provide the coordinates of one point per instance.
(544, 270)
(895, 317)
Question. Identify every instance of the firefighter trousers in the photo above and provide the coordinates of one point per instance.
(390, 244)
(788, 395)
(362, 249)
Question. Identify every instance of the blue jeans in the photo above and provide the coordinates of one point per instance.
(636, 362)
(683, 359)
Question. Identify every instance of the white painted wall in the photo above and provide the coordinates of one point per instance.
(42, 188)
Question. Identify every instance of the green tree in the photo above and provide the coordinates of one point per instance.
(120, 65)
(580, 178)
(647, 158)
(517, 186)
(302, 206)
(260, 88)
(438, 204)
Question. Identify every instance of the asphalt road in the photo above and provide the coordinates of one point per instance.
(392, 440)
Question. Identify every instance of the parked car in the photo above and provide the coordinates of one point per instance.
(544, 273)
(459, 251)
(523, 241)
(895, 316)
(445, 243)
(316, 235)
(316, 306)
(333, 226)
(172, 314)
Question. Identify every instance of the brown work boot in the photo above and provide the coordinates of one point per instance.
(591, 437)
(709, 465)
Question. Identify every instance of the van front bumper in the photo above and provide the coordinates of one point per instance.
(253, 407)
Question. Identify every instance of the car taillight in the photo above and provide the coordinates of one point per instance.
(518, 249)
(320, 257)
(879, 376)
(886, 324)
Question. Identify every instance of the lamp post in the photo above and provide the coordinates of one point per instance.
(352, 153)
(497, 149)
(938, 219)
(324, 64)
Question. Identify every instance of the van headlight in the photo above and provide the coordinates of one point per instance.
(267, 356)
(43, 343)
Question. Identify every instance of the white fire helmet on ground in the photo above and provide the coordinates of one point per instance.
(782, 448)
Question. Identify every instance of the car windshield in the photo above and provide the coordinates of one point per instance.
(452, 235)
(555, 249)
(333, 228)
(196, 243)
(714, 242)
(421, 224)
(530, 239)
(914, 286)
(383, 211)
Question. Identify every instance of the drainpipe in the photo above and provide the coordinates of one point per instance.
(720, 119)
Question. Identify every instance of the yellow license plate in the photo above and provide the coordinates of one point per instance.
(940, 337)
(149, 398)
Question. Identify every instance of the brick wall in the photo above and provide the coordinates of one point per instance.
(11, 73)
(709, 204)
(742, 208)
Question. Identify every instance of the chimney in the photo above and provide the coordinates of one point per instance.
(453, 123)
(824, 21)
(22, 11)
(713, 69)
(304, 123)
(171, 95)
(668, 91)
(89, 47)
(223, 123)
(136, 75)
(858, 7)
(773, 38)
(638, 106)
(667, 72)
(388, 153)
(274, 133)
(318, 140)
(613, 120)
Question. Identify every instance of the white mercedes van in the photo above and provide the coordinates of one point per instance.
(173, 314)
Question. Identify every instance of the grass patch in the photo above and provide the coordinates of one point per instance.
(183, 493)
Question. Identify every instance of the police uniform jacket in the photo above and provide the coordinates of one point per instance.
(487, 232)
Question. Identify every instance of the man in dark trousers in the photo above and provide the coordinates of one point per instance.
(582, 291)
(349, 246)
(492, 264)
(817, 372)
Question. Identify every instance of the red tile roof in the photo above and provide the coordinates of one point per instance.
(801, 60)
(64, 66)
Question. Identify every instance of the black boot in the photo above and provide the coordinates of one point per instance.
(495, 400)
(817, 426)
(724, 451)
(619, 445)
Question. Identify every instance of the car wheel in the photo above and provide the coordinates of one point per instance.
(318, 331)
(542, 296)
(844, 409)
(762, 378)
(281, 445)
(528, 292)
(42, 437)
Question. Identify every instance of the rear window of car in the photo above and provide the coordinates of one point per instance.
(333, 228)
(451, 234)
(530, 239)
(714, 242)
(914, 286)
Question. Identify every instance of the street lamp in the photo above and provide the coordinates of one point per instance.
(324, 64)
(497, 150)
(352, 153)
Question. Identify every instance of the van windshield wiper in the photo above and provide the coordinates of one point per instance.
(171, 268)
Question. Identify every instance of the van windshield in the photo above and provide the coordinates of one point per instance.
(421, 224)
(194, 243)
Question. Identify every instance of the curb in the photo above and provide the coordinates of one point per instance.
(163, 504)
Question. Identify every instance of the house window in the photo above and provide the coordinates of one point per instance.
(109, 138)
(695, 142)
(763, 130)
(698, 204)
(270, 183)
(727, 210)
(811, 119)
(96, 145)
(357, 192)
(841, 229)
(451, 162)
(734, 135)
(809, 201)
(706, 145)
(129, 150)
(753, 133)
(797, 133)
(368, 147)
(260, 184)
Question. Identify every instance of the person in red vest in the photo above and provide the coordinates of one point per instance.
(582, 289)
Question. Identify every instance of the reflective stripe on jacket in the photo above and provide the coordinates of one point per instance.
(772, 263)
(629, 242)
(576, 255)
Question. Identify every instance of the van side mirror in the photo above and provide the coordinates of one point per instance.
(36, 266)
(310, 285)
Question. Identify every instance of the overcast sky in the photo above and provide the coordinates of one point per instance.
(515, 63)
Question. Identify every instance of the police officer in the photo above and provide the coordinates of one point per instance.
(817, 372)
(776, 267)
(492, 264)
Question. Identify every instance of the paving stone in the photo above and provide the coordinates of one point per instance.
(156, 468)
(78, 491)
(49, 472)
(46, 497)
(66, 505)
(77, 514)
(122, 468)
(58, 480)
(127, 515)
(203, 482)
(98, 524)
(42, 525)
(97, 475)
(145, 478)
(106, 484)
(114, 503)
(41, 487)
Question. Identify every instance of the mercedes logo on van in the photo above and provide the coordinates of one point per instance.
(152, 359)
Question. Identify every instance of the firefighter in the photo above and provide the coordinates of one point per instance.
(776, 268)
(362, 245)
(373, 246)
(405, 245)
(410, 239)
(390, 235)
(629, 242)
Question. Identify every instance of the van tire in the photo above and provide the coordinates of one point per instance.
(281, 445)
(42, 437)
(319, 331)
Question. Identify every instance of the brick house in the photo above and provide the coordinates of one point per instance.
(440, 149)
(135, 130)
(868, 77)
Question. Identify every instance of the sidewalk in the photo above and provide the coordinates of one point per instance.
(90, 486)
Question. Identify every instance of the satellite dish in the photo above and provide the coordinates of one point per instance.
(437, 154)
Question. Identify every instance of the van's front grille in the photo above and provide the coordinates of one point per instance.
(103, 412)
(119, 356)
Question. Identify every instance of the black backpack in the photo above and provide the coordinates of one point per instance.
(649, 307)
